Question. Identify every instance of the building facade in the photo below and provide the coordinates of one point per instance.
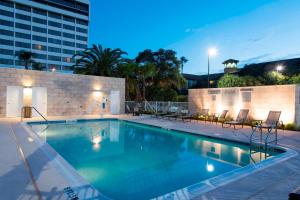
(53, 30)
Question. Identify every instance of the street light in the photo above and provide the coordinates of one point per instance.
(211, 53)
(279, 68)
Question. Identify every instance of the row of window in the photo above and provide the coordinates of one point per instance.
(43, 13)
(50, 57)
(52, 49)
(37, 20)
(4, 61)
(40, 38)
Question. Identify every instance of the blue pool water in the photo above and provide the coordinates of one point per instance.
(125, 160)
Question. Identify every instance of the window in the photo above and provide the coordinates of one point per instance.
(67, 43)
(6, 13)
(23, 7)
(67, 68)
(69, 35)
(6, 23)
(38, 29)
(23, 17)
(6, 52)
(23, 35)
(7, 33)
(52, 66)
(52, 32)
(81, 46)
(39, 47)
(54, 24)
(40, 21)
(6, 61)
(23, 26)
(22, 44)
(39, 38)
(6, 42)
(54, 41)
(81, 30)
(40, 56)
(82, 22)
(40, 11)
(82, 38)
(54, 58)
(68, 60)
(7, 3)
(68, 51)
(54, 15)
(68, 27)
(69, 19)
(54, 49)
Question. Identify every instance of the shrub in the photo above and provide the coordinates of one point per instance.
(229, 80)
(294, 79)
(290, 126)
(275, 78)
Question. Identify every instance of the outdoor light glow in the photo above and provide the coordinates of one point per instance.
(212, 52)
(210, 167)
(53, 69)
(279, 68)
(97, 139)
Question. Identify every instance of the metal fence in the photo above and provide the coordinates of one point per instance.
(155, 106)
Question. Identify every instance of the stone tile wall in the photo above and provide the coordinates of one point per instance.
(67, 94)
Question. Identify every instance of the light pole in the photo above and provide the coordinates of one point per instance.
(211, 52)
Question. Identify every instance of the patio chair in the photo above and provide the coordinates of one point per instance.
(219, 117)
(203, 115)
(179, 115)
(270, 124)
(295, 195)
(240, 120)
(188, 116)
(173, 113)
(136, 111)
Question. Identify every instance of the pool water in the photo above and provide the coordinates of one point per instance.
(125, 160)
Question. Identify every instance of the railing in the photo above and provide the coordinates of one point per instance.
(272, 130)
(155, 106)
(32, 108)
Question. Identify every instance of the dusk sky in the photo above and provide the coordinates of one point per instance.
(250, 30)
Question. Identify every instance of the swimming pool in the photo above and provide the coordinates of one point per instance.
(126, 160)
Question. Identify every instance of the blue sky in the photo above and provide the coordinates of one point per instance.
(252, 31)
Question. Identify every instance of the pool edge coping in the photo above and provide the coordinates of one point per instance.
(189, 192)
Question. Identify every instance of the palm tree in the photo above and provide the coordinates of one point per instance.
(98, 61)
(144, 73)
(128, 71)
(183, 60)
(26, 57)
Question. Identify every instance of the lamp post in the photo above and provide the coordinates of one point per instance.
(211, 52)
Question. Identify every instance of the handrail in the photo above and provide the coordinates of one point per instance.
(32, 107)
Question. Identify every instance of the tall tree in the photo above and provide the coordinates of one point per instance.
(26, 57)
(98, 61)
(183, 60)
(167, 70)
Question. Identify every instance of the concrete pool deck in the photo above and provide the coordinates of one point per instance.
(36, 176)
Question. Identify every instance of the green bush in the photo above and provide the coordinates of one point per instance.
(294, 79)
(275, 78)
(229, 80)
(290, 126)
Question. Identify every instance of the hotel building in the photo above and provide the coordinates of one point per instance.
(53, 30)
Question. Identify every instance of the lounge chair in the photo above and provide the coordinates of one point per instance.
(188, 116)
(219, 117)
(203, 115)
(270, 124)
(180, 115)
(136, 111)
(240, 120)
(173, 113)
